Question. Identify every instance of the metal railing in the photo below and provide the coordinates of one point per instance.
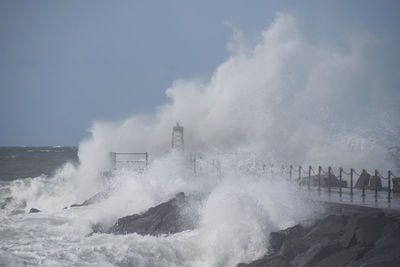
(330, 180)
(133, 160)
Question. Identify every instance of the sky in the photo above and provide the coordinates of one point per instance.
(65, 64)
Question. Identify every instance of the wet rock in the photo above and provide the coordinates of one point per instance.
(325, 181)
(367, 237)
(332, 226)
(363, 180)
(94, 199)
(267, 261)
(341, 258)
(375, 182)
(33, 210)
(396, 185)
(167, 218)
(317, 252)
(291, 248)
(277, 238)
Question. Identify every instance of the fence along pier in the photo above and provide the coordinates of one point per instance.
(367, 186)
(137, 161)
(322, 180)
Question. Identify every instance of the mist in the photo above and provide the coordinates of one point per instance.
(287, 99)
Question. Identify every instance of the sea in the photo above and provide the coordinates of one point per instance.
(234, 219)
(24, 162)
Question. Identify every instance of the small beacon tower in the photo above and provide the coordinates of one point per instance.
(177, 138)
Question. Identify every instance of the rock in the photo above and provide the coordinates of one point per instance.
(167, 218)
(332, 225)
(94, 199)
(317, 252)
(396, 185)
(326, 182)
(33, 210)
(291, 248)
(340, 258)
(355, 237)
(277, 238)
(363, 180)
(369, 227)
(375, 181)
(267, 261)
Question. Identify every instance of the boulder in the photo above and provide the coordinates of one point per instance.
(277, 238)
(94, 199)
(363, 180)
(267, 261)
(326, 182)
(317, 252)
(367, 237)
(396, 185)
(375, 181)
(166, 218)
(33, 210)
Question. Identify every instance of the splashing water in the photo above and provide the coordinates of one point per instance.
(285, 100)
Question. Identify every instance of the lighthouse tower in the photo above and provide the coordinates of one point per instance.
(177, 138)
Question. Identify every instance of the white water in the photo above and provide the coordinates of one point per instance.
(286, 100)
(235, 219)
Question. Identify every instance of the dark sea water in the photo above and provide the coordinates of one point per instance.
(23, 162)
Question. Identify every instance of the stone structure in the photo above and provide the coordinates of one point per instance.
(363, 181)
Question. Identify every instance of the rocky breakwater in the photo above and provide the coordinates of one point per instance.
(176, 215)
(356, 237)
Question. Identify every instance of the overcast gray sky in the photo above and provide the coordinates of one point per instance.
(64, 64)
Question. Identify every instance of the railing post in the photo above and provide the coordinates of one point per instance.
(363, 185)
(340, 182)
(351, 182)
(113, 160)
(329, 179)
(147, 160)
(319, 179)
(376, 185)
(194, 166)
(272, 171)
(299, 175)
(290, 172)
(309, 177)
(389, 185)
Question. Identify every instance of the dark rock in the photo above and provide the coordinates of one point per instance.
(277, 238)
(356, 237)
(375, 182)
(363, 180)
(166, 218)
(94, 199)
(291, 248)
(396, 185)
(317, 252)
(340, 258)
(267, 261)
(326, 181)
(99, 228)
(33, 210)
(330, 227)
(369, 227)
